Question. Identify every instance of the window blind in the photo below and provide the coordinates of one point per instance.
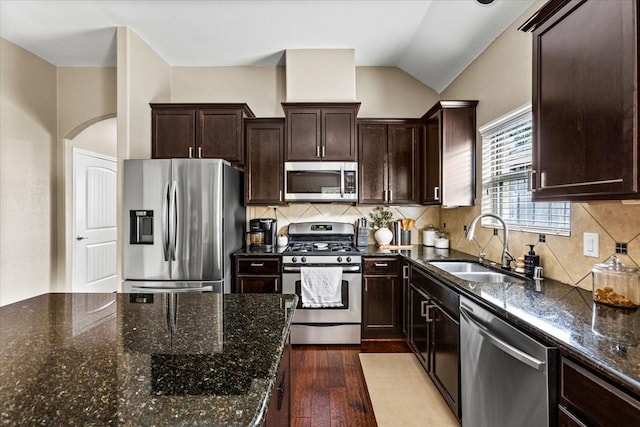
(506, 163)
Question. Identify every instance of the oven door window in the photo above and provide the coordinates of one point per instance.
(345, 297)
(313, 182)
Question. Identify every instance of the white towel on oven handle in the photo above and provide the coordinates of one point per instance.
(321, 287)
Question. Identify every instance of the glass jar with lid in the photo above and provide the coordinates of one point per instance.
(615, 284)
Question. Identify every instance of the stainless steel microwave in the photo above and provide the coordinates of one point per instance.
(321, 181)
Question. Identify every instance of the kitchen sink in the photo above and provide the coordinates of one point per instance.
(474, 272)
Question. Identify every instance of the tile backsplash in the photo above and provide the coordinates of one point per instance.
(303, 212)
(561, 256)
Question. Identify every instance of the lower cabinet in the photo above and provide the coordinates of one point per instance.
(278, 412)
(260, 274)
(588, 400)
(434, 333)
(381, 298)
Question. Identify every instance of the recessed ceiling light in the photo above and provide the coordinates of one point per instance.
(485, 1)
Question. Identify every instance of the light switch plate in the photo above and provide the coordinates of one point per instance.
(590, 244)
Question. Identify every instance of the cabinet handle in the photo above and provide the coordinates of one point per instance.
(277, 285)
(390, 196)
(200, 152)
(280, 196)
(405, 271)
(384, 195)
(317, 151)
(323, 147)
(530, 177)
(257, 264)
(425, 307)
(191, 152)
(436, 193)
(381, 264)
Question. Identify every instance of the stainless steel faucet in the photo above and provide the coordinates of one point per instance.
(506, 256)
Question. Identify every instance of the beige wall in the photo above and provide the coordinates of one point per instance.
(262, 88)
(390, 92)
(27, 174)
(321, 75)
(500, 79)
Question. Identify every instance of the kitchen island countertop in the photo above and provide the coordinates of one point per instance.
(141, 359)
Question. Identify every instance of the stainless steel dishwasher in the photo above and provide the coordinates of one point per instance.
(507, 377)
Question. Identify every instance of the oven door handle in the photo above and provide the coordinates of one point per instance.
(349, 268)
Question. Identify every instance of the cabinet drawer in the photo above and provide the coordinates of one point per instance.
(258, 265)
(386, 266)
(446, 296)
(594, 400)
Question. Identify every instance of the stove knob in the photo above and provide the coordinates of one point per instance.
(339, 259)
(348, 259)
(294, 259)
(304, 259)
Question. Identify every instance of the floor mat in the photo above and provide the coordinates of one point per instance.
(402, 393)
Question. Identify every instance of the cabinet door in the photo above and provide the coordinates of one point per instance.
(405, 299)
(172, 133)
(381, 316)
(372, 173)
(402, 160)
(303, 133)
(419, 333)
(258, 284)
(338, 134)
(264, 161)
(585, 127)
(220, 135)
(431, 161)
(446, 356)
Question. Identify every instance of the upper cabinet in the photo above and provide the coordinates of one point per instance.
(388, 152)
(585, 100)
(320, 131)
(198, 131)
(264, 180)
(448, 154)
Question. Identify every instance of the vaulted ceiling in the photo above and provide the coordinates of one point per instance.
(432, 40)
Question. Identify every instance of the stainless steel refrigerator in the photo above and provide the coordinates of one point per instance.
(183, 219)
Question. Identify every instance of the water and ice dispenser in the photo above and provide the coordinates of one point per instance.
(141, 227)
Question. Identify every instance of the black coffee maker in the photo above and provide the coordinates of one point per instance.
(262, 234)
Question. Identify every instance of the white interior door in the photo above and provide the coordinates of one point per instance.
(95, 216)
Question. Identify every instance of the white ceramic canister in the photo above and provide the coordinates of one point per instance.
(429, 236)
(282, 241)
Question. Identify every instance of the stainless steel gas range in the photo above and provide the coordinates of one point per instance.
(316, 248)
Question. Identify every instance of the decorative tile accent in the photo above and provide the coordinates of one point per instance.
(621, 248)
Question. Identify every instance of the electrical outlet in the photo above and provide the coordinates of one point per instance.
(590, 244)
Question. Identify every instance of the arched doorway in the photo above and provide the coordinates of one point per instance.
(90, 207)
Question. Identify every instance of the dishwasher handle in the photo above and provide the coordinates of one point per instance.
(502, 345)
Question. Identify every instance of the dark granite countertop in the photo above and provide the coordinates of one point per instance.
(112, 359)
(605, 338)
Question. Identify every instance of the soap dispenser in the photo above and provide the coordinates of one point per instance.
(531, 261)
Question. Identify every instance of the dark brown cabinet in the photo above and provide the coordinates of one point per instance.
(278, 412)
(448, 154)
(381, 298)
(264, 162)
(323, 131)
(434, 333)
(260, 274)
(588, 400)
(198, 131)
(388, 153)
(585, 100)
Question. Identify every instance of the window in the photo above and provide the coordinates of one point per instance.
(506, 164)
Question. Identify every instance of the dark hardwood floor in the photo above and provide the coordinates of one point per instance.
(328, 387)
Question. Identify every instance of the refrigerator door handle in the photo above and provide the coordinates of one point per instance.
(173, 220)
(165, 221)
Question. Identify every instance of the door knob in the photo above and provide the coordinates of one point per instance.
(81, 238)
